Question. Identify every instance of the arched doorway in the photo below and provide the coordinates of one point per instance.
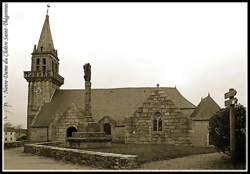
(107, 128)
(70, 130)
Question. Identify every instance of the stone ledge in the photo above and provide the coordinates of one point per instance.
(94, 159)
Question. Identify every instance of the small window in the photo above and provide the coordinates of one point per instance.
(52, 66)
(37, 61)
(37, 68)
(44, 61)
(5, 139)
(155, 124)
(44, 68)
(160, 125)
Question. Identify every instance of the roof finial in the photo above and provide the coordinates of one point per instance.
(208, 94)
(48, 6)
(158, 85)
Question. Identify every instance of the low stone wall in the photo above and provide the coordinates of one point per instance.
(81, 140)
(90, 158)
(13, 144)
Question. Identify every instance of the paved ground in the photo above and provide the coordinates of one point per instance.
(15, 159)
(211, 161)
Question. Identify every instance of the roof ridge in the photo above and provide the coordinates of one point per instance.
(123, 88)
(184, 97)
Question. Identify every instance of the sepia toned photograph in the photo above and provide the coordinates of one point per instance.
(124, 87)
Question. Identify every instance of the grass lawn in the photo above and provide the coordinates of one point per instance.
(156, 152)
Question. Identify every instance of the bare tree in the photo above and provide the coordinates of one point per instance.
(7, 124)
(7, 111)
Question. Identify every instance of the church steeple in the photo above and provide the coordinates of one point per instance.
(45, 41)
(44, 76)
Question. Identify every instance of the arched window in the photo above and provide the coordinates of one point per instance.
(157, 122)
(70, 131)
(52, 66)
(107, 128)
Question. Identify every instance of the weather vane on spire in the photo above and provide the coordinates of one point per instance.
(48, 6)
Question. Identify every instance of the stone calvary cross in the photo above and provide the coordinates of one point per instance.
(87, 72)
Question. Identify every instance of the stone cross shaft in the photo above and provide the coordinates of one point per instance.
(88, 99)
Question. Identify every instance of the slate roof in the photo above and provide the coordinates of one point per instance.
(45, 39)
(205, 109)
(117, 103)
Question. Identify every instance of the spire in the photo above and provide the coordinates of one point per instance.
(45, 41)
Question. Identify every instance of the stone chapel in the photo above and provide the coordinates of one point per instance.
(159, 115)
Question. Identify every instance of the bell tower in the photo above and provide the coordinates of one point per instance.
(44, 76)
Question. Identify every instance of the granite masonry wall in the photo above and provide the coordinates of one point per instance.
(95, 159)
(199, 133)
(38, 134)
(174, 127)
(73, 117)
(117, 129)
(119, 134)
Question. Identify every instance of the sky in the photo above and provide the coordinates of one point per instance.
(200, 48)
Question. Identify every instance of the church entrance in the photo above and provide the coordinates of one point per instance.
(107, 128)
(70, 130)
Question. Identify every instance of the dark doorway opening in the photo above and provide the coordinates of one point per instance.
(70, 130)
(107, 128)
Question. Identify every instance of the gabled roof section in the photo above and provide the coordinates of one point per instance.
(117, 103)
(205, 110)
(45, 41)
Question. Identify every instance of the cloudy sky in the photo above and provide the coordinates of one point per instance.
(200, 48)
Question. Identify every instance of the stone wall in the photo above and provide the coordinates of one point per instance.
(174, 129)
(73, 117)
(13, 144)
(199, 133)
(94, 159)
(38, 134)
(117, 129)
(118, 134)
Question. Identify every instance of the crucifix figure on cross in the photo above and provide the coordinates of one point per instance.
(48, 6)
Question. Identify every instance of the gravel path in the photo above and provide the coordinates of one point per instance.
(211, 161)
(16, 159)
